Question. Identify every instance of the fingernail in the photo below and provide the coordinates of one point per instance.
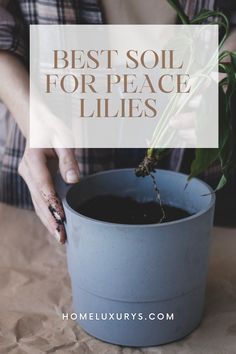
(72, 176)
(57, 236)
(60, 239)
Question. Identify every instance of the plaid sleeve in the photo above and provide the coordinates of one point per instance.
(11, 32)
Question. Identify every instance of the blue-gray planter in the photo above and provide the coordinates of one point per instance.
(156, 271)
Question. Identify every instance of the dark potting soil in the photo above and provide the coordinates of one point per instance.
(125, 210)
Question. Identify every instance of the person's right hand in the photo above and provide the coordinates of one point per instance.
(34, 169)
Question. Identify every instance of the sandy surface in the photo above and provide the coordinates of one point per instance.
(35, 291)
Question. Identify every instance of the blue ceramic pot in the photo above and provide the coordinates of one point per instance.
(139, 285)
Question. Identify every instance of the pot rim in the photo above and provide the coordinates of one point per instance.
(166, 224)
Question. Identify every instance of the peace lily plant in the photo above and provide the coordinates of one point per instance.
(225, 154)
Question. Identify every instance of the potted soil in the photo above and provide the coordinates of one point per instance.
(136, 281)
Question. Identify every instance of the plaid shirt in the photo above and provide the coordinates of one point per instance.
(15, 16)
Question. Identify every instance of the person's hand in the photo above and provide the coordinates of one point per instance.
(35, 168)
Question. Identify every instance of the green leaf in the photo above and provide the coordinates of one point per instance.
(224, 82)
(233, 59)
(221, 183)
(178, 8)
(204, 15)
(227, 122)
(224, 54)
(203, 159)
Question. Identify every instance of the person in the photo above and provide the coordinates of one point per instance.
(26, 174)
